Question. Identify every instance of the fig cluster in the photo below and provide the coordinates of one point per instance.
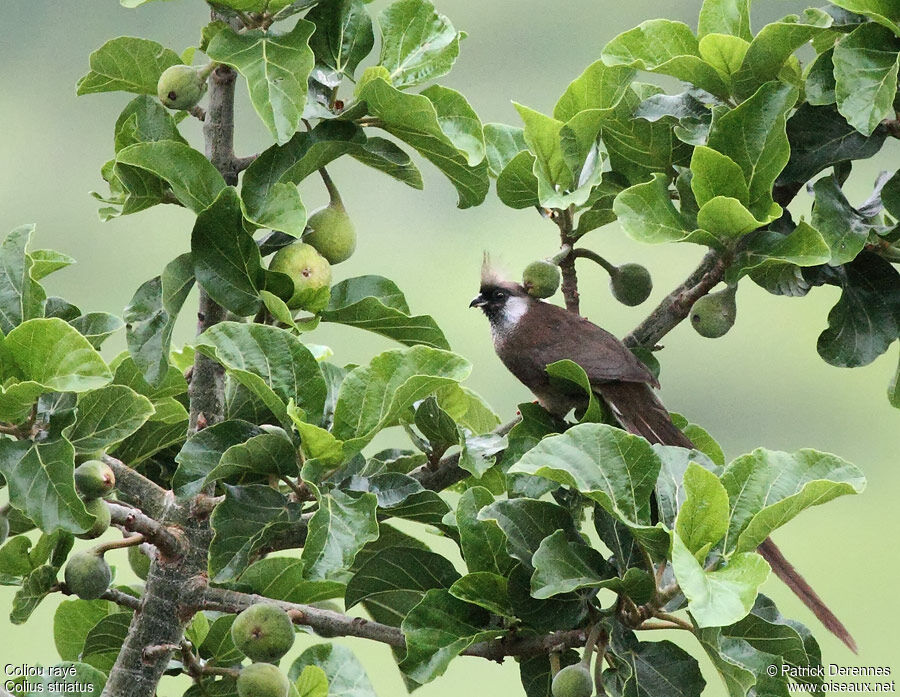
(714, 314)
(541, 278)
(94, 479)
(87, 574)
(264, 633)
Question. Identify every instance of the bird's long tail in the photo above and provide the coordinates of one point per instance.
(639, 411)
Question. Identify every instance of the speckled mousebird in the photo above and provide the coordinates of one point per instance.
(529, 334)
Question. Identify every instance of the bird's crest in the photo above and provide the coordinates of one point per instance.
(491, 275)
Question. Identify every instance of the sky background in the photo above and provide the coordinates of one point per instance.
(762, 384)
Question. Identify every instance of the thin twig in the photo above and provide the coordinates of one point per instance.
(674, 619)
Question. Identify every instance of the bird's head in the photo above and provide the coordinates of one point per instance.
(504, 302)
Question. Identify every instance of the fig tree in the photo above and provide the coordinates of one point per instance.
(310, 272)
(630, 284)
(541, 279)
(87, 575)
(262, 680)
(263, 632)
(100, 511)
(331, 232)
(572, 681)
(182, 86)
(139, 562)
(714, 314)
(94, 479)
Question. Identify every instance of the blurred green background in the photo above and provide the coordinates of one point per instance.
(762, 384)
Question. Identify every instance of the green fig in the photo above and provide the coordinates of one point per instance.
(310, 272)
(94, 479)
(182, 86)
(262, 680)
(263, 632)
(572, 681)
(630, 284)
(714, 314)
(4, 528)
(87, 575)
(331, 232)
(139, 562)
(541, 279)
(100, 511)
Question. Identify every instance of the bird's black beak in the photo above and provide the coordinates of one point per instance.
(478, 301)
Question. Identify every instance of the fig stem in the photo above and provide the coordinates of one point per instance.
(332, 188)
(130, 541)
(583, 253)
(589, 645)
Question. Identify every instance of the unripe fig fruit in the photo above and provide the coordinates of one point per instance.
(263, 632)
(4, 528)
(98, 509)
(87, 575)
(310, 272)
(94, 479)
(630, 284)
(181, 86)
(572, 681)
(262, 680)
(541, 279)
(139, 562)
(332, 232)
(714, 314)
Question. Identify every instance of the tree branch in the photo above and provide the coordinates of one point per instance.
(569, 287)
(136, 489)
(331, 623)
(170, 545)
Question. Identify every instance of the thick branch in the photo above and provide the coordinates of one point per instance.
(136, 489)
(569, 286)
(168, 543)
(332, 623)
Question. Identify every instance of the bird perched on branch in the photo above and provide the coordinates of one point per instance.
(529, 334)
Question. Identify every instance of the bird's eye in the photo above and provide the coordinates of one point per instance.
(499, 294)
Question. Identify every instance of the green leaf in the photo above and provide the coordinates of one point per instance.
(218, 645)
(97, 327)
(343, 35)
(437, 630)
(127, 64)
(715, 174)
(243, 524)
(667, 47)
(271, 362)
(866, 63)
(654, 669)
(502, 144)
(151, 438)
(35, 587)
(107, 416)
(568, 373)
(105, 640)
(440, 125)
(599, 88)
(769, 254)
(194, 180)
(21, 296)
(600, 205)
(399, 571)
(526, 522)
(866, 319)
(753, 135)
(725, 17)
(373, 397)
(517, 187)
(482, 542)
(647, 213)
(844, 229)
(561, 612)
(883, 12)
(726, 54)
(721, 597)
(312, 682)
(227, 263)
(486, 590)
(377, 304)
(276, 68)
(203, 451)
(144, 120)
(54, 354)
(767, 488)
(542, 135)
(337, 531)
(270, 453)
(73, 620)
(417, 43)
(703, 517)
(281, 578)
(46, 261)
(345, 674)
(727, 219)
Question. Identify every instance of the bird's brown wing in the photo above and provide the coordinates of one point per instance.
(603, 357)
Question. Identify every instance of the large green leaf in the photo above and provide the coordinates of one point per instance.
(127, 64)
(526, 523)
(106, 416)
(105, 640)
(73, 620)
(648, 214)
(866, 63)
(844, 229)
(242, 525)
(502, 144)
(399, 570)
(145, 119)
(723, 596)
(482, 542)
(753, 136)
(271, 362)
(227, 263)
(276, 68)
(703, 517)
(194, 180)
(774, 261)
(767, 488)
(715, 174)
(866, 319)
(42, 484)
(376, 304)
(203, 451)
(725, 17)
(21, 296)
(337, 531)
(517, 187)
(440, 124)
(884, 12)
(345, 674)
(343, 35)
(417, 43)
(653, 669)
(281, 578)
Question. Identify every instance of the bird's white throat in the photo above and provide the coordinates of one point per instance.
(513, 311)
